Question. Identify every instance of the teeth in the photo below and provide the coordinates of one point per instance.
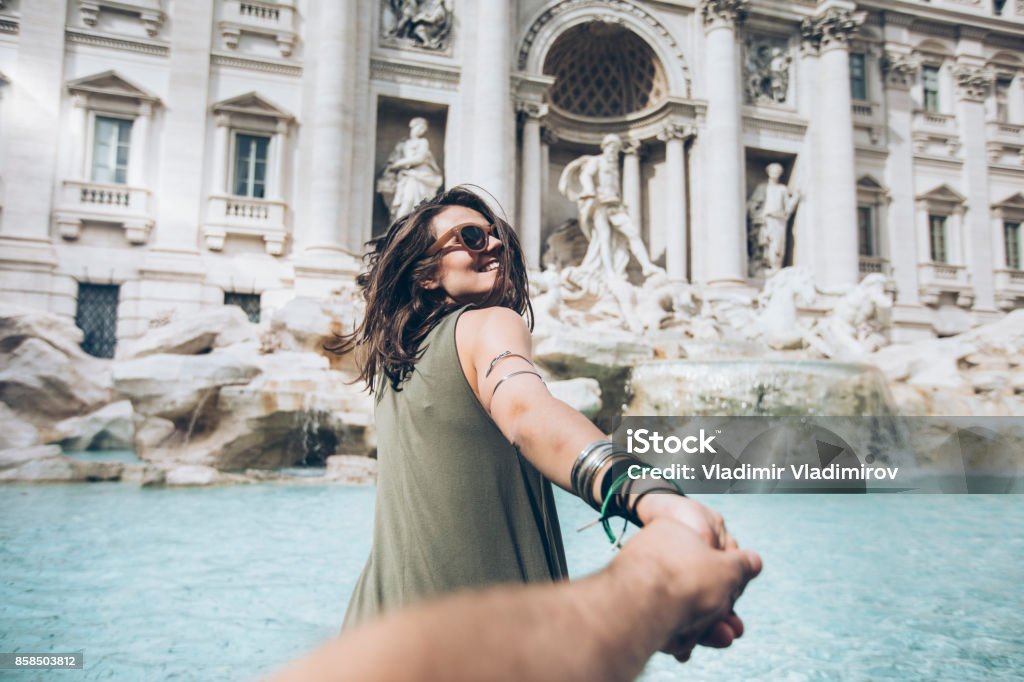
(493, 265)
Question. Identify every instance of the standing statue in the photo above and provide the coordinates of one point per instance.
(769, 208)
(423, 23)
(411, 174)
(593, 182)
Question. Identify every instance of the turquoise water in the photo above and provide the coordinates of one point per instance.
(228, 583)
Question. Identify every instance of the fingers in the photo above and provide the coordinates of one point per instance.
(718, 636)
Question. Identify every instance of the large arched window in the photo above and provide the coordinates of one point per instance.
(604, 71)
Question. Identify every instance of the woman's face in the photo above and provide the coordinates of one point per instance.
(465, 276)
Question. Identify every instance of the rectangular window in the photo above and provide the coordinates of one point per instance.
(250, 303)
(96, 316)
(1002, 92)
(937, 237)
(858, 77)
(251, 165)
(866, 230)
(930, 79)
(1012, 233)
(110, 144)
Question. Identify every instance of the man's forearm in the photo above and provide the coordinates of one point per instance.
(604, 627)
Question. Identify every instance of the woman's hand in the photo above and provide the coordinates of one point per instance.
(706, 522)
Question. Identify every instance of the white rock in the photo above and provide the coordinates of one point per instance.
(44, 384)
(46, 463)
(175, 386)
(18, 324)
(197, 333)
(15, 431)
(108, 428)
(192, 475)
(354, 469)
(583, 394)
(144, 475)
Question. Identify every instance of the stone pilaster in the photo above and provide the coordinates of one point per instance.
(724, 248)
(899, 70)
(829, 33)
(32, 118)
(674, 136)
(973, 83)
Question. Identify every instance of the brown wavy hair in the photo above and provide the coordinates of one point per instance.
(400, 311)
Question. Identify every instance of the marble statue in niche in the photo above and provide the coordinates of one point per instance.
(420, 23)
(769, 208)
(766, 71)
(411, 174)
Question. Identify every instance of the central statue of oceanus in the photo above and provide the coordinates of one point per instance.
(594, 183)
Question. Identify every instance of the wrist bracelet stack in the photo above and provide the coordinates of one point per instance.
(620, 493)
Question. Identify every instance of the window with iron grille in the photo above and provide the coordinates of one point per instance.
(96, 316)
(250, 303)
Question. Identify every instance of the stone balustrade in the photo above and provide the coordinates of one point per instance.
(936, 279)
(244, 216)
(935, 133)
(273, 19)
(103, 203)
(1009, 286)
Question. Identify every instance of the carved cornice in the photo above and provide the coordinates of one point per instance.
(832, 29)
(900, 70)
(676, 131)
(549, 136)
(972, 82)
(261, 65)
(415, 74)
(630, 146)
(84, 37)
(718, 13)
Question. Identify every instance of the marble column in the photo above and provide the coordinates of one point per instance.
(900, 72)
(973, 85)
(674, 136)
(489, 157)
(837, 208)
(332, 122)
(531, 190)
(277, 161)
(631, 195)
(725, 242)
(139, 146)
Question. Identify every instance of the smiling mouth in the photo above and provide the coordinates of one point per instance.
(493, 265)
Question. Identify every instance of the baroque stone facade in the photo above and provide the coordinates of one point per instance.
(190, 153)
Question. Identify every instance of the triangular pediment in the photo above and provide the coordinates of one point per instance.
(943, 193)
(869, 183)
(252, 104)
(1014, 202)
(111, 84)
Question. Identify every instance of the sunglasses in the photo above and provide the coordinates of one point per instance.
(472, 237)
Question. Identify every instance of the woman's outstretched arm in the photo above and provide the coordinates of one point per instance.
(547, 431)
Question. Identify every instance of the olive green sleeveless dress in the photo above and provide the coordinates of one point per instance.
(457, 505)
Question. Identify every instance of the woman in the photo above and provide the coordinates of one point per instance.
(468, 435)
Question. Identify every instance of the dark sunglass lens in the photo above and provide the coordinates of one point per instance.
(474, 237)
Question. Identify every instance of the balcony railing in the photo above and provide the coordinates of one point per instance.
(935, 279)
(273, 19)
(244, 216)
(1011, 132)
(150, 12)
(103, 203)
(865, 110)
(1009, 286)
(872, 264)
